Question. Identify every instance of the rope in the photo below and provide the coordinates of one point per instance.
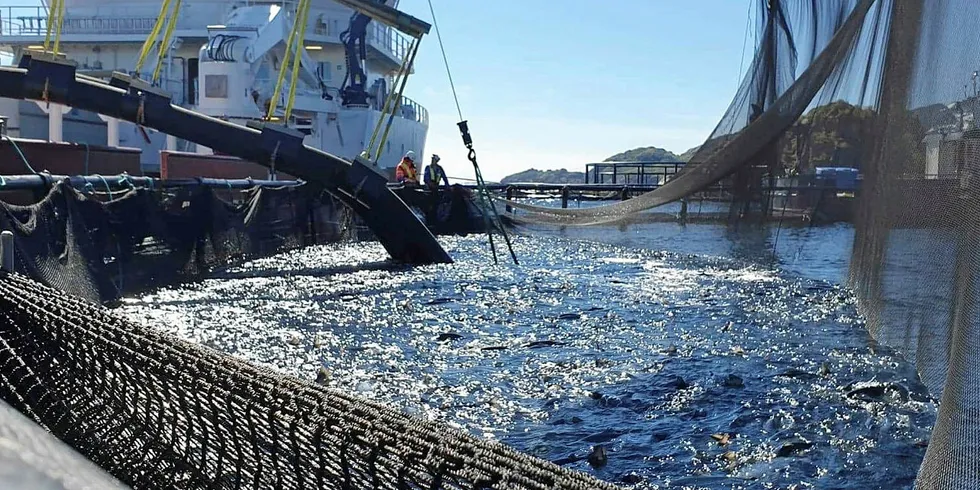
(60, 21)
(297, 60)
(401, 90)
(485, 197)
(22, 157)
(52, 13)
(445, 59)
(108, 188)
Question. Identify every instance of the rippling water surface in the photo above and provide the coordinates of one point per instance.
(688, 369)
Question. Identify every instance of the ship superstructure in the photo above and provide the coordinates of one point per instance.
(223, 60)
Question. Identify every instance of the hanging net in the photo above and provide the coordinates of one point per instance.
(101, 247)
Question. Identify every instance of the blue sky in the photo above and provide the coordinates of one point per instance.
(558, 84)
(561, 83)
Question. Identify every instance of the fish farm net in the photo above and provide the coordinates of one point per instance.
(157, 412)
(886, 87)
(101, 248)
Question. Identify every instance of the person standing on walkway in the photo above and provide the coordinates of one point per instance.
(433, 175)
(405, 172)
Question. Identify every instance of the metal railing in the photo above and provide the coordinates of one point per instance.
(387, 39)
(640, 173)
(33, 21)
(412, 110)
(380, 36)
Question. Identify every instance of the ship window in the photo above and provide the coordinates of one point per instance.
(324, 70)
(216, 86)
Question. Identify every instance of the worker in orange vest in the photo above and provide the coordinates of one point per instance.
(405, 171)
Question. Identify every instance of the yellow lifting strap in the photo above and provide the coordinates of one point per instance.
(389, 102)
(152, 37)
(56, 14)
(297, 60)
(395, 98)
(165, 44)
(274, 101)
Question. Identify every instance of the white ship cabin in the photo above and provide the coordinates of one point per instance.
(223, 61)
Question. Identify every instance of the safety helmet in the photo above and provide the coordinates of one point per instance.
(435, 158)
(410, 155)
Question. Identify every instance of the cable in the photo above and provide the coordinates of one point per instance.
(745, 40)
(22, 157)
(445, 59)
(485, 198)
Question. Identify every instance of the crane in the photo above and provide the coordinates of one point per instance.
(352, 90)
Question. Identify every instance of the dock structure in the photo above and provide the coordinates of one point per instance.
(637, 173)
(279, 148)
(790, 198)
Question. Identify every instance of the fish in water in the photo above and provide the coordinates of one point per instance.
(878, 392)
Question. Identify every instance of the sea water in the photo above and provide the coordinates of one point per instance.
(695, 356)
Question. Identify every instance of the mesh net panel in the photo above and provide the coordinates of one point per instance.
(810, 52)
(144, 238)
(157, 412)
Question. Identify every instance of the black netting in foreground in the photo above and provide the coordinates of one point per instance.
(158, 412)
(152, 237)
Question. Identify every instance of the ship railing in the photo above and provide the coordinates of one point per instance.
(389, 40)
(412, 110)
(380, 36)
(33, 21)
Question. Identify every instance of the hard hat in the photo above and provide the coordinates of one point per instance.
(435, 158)
(410, 155)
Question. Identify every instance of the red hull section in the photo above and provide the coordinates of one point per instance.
(67, 158)
(181, 165)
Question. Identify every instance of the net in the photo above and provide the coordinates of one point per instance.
(157, 412)
(890, 88)
(810, 54)
(101, 247)
(887, 87)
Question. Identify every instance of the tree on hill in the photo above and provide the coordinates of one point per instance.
(645, 154)
(831, 135)
(561, 176)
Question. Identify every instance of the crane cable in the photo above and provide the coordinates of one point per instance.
(485, 197)
(274, 101)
